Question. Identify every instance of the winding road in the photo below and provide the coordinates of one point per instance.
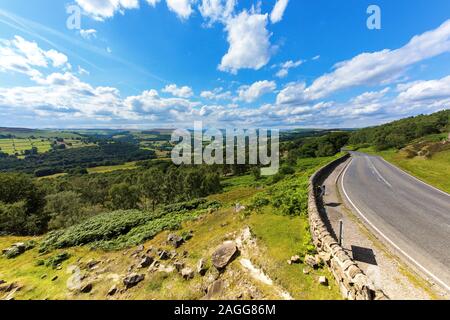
(411, 216)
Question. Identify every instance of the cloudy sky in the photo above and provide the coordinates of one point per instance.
(229, 63)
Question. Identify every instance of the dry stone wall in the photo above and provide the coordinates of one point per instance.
(352, 281)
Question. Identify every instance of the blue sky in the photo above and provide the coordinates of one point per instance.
(168, 63)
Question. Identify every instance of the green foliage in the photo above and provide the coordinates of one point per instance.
(123, 196)
(400, 133)
(21, 204)
(323, 146)
(114, 230)
(65, 209)
(56, 260)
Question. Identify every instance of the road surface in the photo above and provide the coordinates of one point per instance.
(411, 216)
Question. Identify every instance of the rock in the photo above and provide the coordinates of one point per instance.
(145, 262)
(224, 254)
(179, 266)
(163, 255)
(132, 280)
(306, 271)
(311, 261)
(201, 267)
(91, 264)
(86, 288)
(295, 259)
(2, 282)
(175, 240)
(9, 287)
(323, 281)
(187, 273)
(55, 278)
(173, 254)
(113, 290)
(215, 290)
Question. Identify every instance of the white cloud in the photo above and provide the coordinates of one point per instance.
(216, 94)
(103, 9)
(58, 59)
(88, 34)
(182, 8)
(217, 10)
(181, 92)
(153, 2)
(286, 66)
(278, 11)
(20, 55)
(421, 91)
(316, 58)
(249, 43)
(372, 69)
(256, 90)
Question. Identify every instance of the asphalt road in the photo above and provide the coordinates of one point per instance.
(410, 216)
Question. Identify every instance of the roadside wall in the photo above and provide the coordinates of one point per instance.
(352, 281)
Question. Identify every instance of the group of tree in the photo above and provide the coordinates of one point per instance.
(400, 133)
(30, 206)
(58, 161)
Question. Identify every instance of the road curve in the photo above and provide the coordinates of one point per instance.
(413, 217)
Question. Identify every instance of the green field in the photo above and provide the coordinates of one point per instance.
(105, 169)
(18, 146)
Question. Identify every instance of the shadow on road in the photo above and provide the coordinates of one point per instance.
(365, 255)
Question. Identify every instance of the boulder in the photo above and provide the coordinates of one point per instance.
(187, 273)
(215, 290)
(86, 288)
(295, 259)
(91, 264)
(163, 255)
(179, 266)
(224, 254)
(132, 280)
(113, 290)
(55, 278)
(311, 261)
(175, 240)
(323, 281)
(201, 267)
(145, 262)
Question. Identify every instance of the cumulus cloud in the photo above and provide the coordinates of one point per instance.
(249, 42)
(371, 69)
(420, 91)
(216, 94)
(286, 66)
(181, 92)
(183, 8)
(103, 9)
(20, 55)
(217, 10)
(256, 90)
(278, 11)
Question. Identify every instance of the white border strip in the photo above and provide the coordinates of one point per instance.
(442, 283)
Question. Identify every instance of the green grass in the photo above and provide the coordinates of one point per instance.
(13, 146)
(106, 169)
(435, 171)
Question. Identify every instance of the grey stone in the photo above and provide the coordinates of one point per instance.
(323, 281)
(113, 290)
(179, 266)
(132, 280)
(175, 240)
(146, 262)
(86, 288)
(311, 261)
(187, 273)
(295, 259)
(224, 254)
(201, 267)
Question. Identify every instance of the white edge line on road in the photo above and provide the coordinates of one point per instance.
(417, 179)
(386, 238)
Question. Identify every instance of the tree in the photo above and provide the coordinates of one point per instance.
(123, 196)
(65, 209)
(150, 185)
